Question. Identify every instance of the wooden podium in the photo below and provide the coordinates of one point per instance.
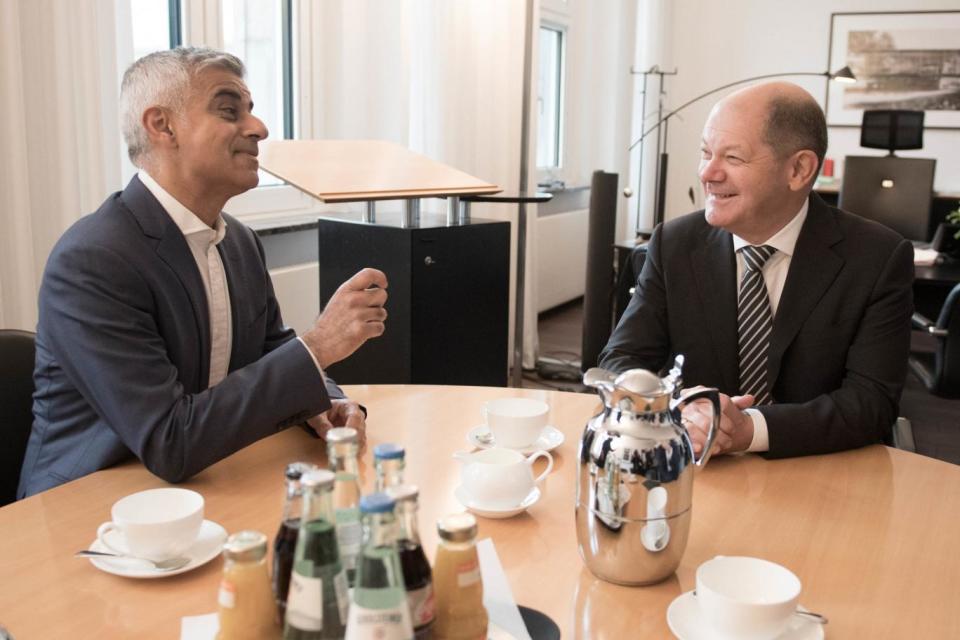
(448, 301)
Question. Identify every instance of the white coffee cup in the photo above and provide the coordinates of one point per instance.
(156, 524)
(515, 422)
(500, 478)
(746, 598)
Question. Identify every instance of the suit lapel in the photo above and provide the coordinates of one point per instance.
(172, 248)
(813, 269)
(715, 272)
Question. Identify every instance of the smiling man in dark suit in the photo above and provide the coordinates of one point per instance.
(798, 312)
(159, 334)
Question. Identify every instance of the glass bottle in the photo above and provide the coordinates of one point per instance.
(342, 454)
(318, 602)
(284, 545)
(388, 460)
(379, 608)
(246, 608)
(417, 576)
(457, 582)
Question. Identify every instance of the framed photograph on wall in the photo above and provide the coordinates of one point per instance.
(902, 60)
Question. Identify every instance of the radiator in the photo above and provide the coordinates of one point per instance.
(298, 292)
(562, 257)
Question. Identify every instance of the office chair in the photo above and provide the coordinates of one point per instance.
(939, 371)
(896, 192)
(16, 406)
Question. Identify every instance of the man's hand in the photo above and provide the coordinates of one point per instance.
(353, 315)
(343, 413)
(736, 427)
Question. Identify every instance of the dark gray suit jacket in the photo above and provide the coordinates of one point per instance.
(841, 335)
(123, 351)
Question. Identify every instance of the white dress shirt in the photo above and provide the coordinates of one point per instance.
(775, 276)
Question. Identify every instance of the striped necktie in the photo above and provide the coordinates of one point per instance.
(754, 323)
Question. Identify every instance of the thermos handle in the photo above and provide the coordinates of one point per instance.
(713, 395)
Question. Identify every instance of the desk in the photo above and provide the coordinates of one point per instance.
(871, 533)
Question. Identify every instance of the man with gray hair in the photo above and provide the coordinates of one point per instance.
(159, 333)
(798, 312)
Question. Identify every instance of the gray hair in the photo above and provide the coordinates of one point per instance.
(162, 79)
(794, 124)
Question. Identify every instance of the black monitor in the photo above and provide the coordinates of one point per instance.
(892, 130)
(894, 191)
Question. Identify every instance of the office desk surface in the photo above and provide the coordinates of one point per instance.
(871, 533)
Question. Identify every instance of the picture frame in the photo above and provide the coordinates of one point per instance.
(902, 60)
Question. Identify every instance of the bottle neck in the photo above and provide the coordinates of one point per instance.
(458, 546)
(389, 472)
(318, 504)
(343, 458)
(407, 521)
(293, 504)
(379, 529)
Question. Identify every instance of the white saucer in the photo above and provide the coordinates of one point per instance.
(206, 548)
(683, 616)
(550, 438)
(491, 512)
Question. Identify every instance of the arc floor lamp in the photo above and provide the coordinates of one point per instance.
(661, 126)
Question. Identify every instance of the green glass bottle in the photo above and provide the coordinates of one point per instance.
(342, 454)
(318, 599)
(379, 609)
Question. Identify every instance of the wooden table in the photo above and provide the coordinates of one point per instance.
(871, 533)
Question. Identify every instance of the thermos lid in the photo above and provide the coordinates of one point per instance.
(376, 503)
(389, 451)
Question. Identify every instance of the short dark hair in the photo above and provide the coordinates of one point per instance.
(794, 124)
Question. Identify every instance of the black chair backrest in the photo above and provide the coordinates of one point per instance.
(896, 192)
(16, 406)
(947, 358)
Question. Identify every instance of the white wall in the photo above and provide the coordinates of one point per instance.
(714, 43)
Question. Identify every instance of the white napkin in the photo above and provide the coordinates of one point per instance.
(924, 257)
(497, 598)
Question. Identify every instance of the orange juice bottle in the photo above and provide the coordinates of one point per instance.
(246, 608)
(456, 581)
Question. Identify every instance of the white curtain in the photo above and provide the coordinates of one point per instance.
(441, 78)
(58, 94)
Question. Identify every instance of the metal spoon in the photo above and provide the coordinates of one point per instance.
(812, 615)
(170, 564)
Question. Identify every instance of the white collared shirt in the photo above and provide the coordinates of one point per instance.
(775, 277)
(203, 242)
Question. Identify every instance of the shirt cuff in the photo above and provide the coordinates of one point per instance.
(761, 438)
(314, 358)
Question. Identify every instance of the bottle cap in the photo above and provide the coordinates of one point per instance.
(403, 492)
(246, 546)
(318, 479)
(341, 434)
(295, 470)
(389, 451)
(457, 527)
(376, 503)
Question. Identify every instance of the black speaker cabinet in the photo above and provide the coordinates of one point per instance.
(448, 298)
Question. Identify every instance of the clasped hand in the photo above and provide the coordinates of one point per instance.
(735, 428)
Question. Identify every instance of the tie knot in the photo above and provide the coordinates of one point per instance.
(755, 257)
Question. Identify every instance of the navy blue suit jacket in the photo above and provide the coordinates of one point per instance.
(841, 335)
(123, 351)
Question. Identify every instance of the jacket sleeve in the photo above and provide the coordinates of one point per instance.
(101, 321)
(641, 338)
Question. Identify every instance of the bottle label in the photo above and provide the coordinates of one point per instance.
(305, 603)
(342, 590)
(422, 605)
(382, 624)
(227, 595)
(468, 573)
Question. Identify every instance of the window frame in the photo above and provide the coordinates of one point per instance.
(561, 84)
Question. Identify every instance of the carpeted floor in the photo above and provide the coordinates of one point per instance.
(936, 421)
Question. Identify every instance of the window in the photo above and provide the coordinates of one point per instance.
(550, 97)
(154, 26)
